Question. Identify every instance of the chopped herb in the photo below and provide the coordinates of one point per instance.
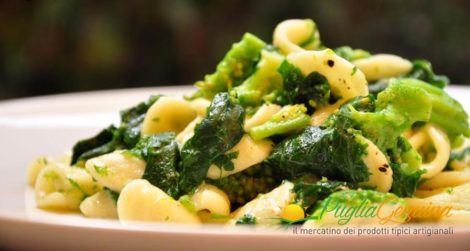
(247, 219)
(101, 170)
(354, 70)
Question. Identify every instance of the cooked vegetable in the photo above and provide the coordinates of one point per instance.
(245, 186)
(325, 152)
(238, 64)
(290, 118)
(351, 54)
(112, 138)
(422, 70)
(218, 132)
(313, 90)
(263, 84)
(161, 154)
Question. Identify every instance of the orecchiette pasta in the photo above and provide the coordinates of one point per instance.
(296, 35)
(441, 144)
(168, 114)
(141, 201)
(381, 174)
(381, 66)
(268, 206)
(62, 187)
(345, 80)
(210, 198)
(250, 152)
(116, 169)
(99, 205)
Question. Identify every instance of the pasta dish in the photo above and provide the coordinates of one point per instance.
(291, 132)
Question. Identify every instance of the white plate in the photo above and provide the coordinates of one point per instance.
(50, 125)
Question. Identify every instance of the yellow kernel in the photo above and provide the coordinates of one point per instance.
(293, 212)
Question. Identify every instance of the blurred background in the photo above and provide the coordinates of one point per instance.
(57, 46)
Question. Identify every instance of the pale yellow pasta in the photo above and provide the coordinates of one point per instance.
(114, 170)
(168, 114)
(210, 198)
(296, 35)
(381, 66)
(267, 207)
(320, 115)
(141, 201)
(345, 80)
(250, 152)
(456, 217)
(200, 105)
(441, 144)
(447, 179)
(263, 114)
(62, 187)
(99, 205)
(35, 167)
(188, 132)
(457, 197)
(380, 172)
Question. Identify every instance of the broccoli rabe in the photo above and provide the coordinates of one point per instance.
(263, 84)
(244, 186)
(396, 109)
(161, 155)
(422, 70)
(290, 118)
(313, 90)
(112, 138)
(238, 64)
(350, 54)
(218, 132)
(446, 111)
(383, 120)
(331, 152)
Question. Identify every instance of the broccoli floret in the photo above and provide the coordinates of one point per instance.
(341, 200)
(446, 111)
(239, 63)
(290, 118)
(313, 90)
(383, 121)
(263, 84)
(350, 54)
(244, 186)
(396, 109)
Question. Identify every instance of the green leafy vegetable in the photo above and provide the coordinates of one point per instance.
(422, 70)
(312, 90)
(218, 132)
(247, 219)
(326, 152)
(112, 138)
(161, 154)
